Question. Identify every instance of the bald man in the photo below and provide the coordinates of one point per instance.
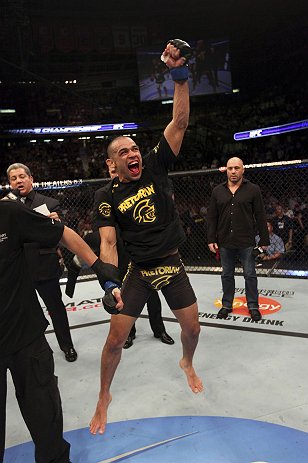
(234, 207)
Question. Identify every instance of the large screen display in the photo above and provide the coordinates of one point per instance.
(209, 70)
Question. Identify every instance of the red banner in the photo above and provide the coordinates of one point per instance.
(42, 34)
(121, 39)
(5, 43)
(156, 33)
(64, 35)
(139, 36)
(102, 37)
(83, 37)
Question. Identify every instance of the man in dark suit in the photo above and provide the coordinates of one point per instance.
(24, 349)
(43, 261)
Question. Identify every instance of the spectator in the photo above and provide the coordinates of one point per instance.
(276, 249)
(299, 230)
(283, 226)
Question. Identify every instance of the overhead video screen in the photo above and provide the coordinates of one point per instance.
(209, 70)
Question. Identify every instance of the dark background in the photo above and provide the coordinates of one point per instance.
(267, 38)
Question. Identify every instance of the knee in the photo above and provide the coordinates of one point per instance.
(115, 342)
(250, 274)
(227, 273)
(227, 277)
(192, 330)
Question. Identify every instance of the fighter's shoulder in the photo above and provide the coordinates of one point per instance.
(105, 193)
(159, 152)
(106, 189)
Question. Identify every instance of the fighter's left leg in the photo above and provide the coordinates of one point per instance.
(188, 319)
(181, 299)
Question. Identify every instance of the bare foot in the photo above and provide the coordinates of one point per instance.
(194, 381)
(99, 419)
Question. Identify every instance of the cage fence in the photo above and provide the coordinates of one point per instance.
(284, 184)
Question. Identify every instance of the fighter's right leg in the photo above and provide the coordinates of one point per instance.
(120, 326)
(134, 295)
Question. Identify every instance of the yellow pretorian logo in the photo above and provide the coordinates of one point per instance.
(161, 282)
(144, 212)
(105, 209)
(156, 148)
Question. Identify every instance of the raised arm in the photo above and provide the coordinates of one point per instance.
(174, 132)
(176, 56)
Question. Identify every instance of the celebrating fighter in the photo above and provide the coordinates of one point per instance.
(140, 201)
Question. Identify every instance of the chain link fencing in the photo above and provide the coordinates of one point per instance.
(284, 184)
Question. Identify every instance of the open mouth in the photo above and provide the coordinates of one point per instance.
(134, 167)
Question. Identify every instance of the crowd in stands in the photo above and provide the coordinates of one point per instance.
(208, 144)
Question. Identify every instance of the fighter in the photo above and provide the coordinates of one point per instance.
(140, 202)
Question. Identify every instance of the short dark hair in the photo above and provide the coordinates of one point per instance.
(110, 148)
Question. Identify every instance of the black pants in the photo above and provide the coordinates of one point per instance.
(50, 292)
(155, 318)
(32, 370)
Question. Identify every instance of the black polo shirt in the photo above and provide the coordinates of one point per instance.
(231, 217)
(22, 319)
(282, 227)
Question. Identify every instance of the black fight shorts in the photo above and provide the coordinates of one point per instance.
(166, 274)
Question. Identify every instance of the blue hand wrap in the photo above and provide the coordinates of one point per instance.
(110, 284)
(179, 73)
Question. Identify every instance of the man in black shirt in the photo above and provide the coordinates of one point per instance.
(23, 346)
(234, 206)
(140, 201)
(43, 261)
(283, 226)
